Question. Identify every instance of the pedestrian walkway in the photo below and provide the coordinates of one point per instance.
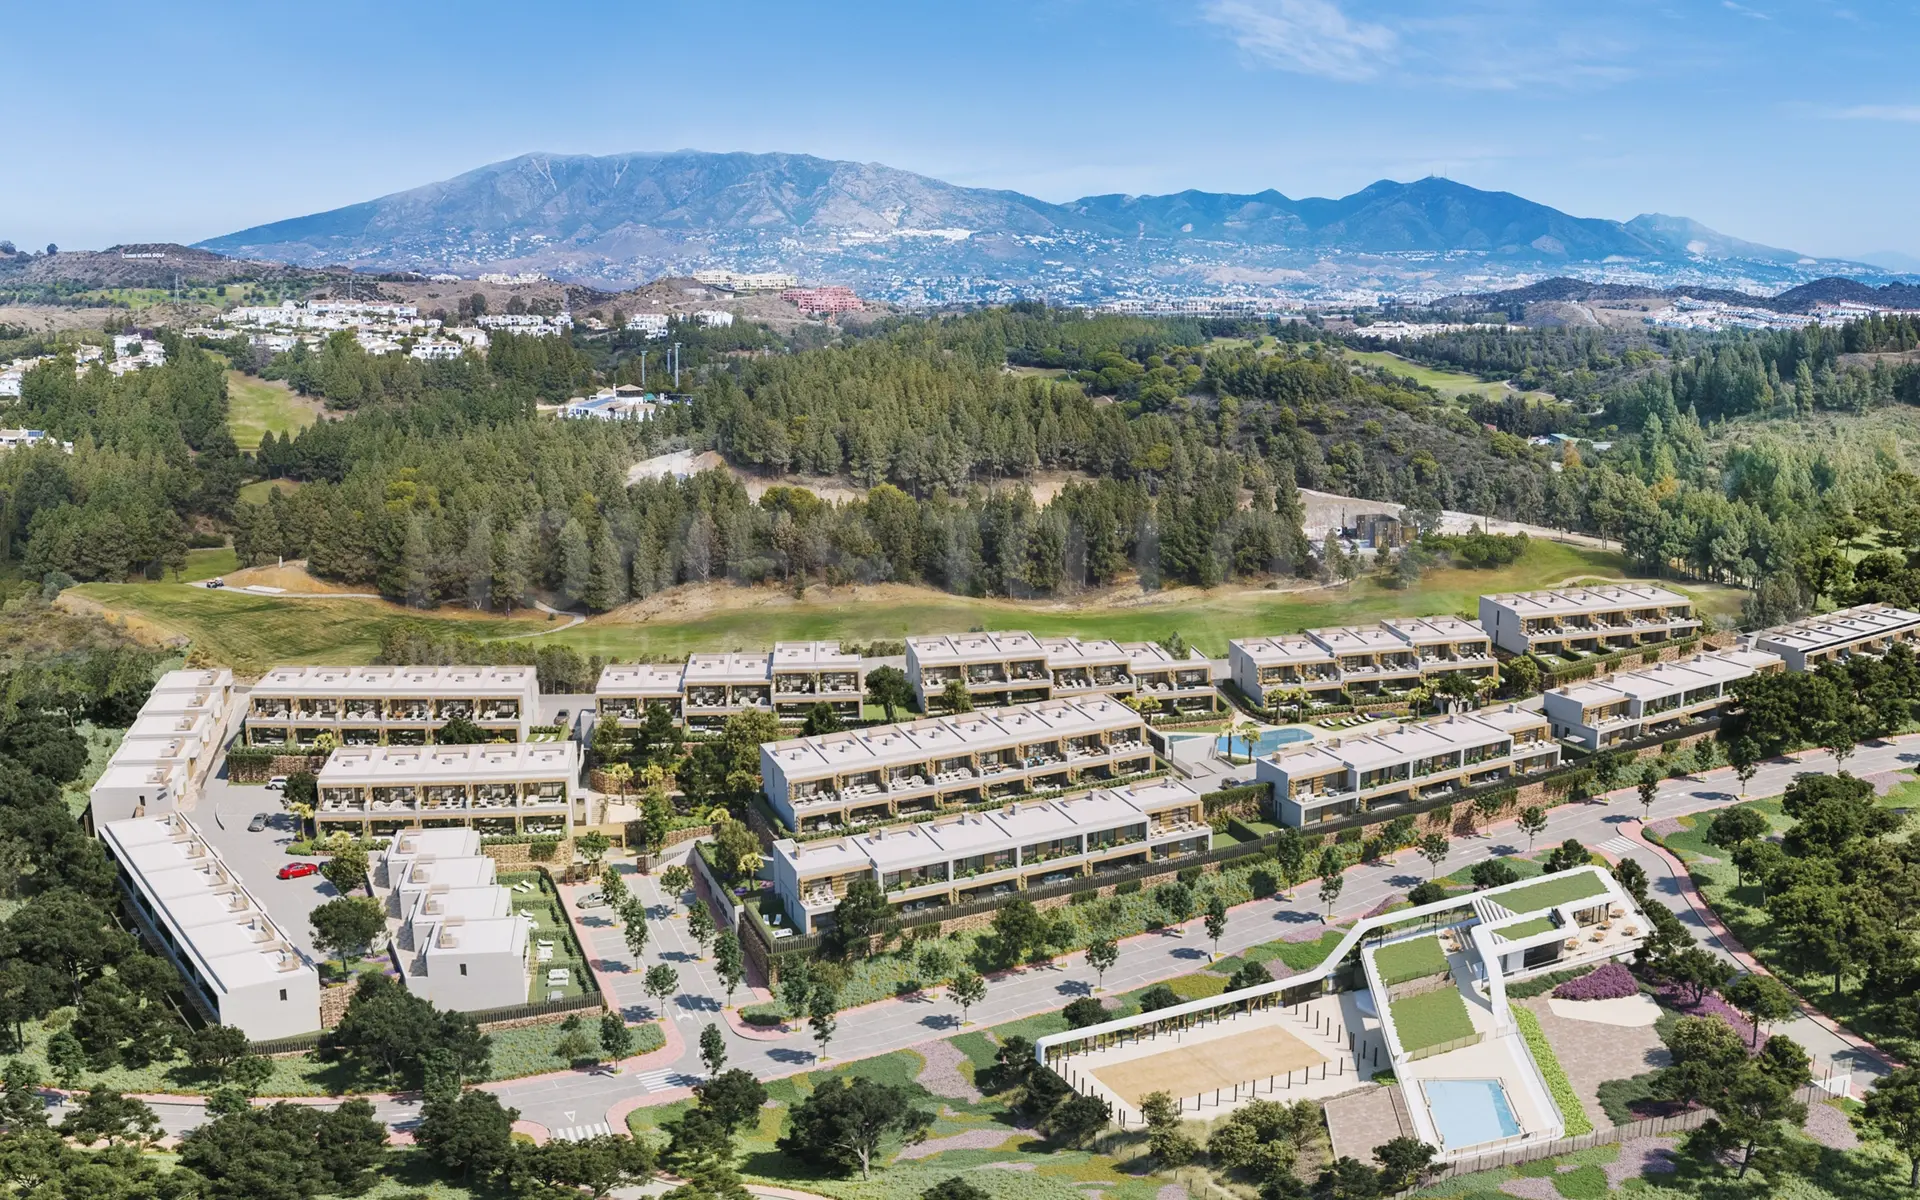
(660, 1081)
(1618, 847)
(580, 1133)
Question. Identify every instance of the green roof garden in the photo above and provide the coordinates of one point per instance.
(1415, 958)
(1524, 929)
(1551, 892)
(1431, 1019)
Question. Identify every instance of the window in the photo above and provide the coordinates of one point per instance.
(283, 995)
(463, 968)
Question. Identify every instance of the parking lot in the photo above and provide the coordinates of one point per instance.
(222, 815)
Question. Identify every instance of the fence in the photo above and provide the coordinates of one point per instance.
(483, 1017)
(1471, 1039)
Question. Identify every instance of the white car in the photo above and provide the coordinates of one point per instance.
(277, 784)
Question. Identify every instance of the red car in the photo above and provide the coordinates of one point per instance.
(299, 870)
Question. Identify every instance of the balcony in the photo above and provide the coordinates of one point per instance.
(272, 712)
(500, 712)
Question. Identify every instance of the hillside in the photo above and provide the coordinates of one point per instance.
(1805, 298)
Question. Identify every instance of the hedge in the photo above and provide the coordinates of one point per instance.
(1564, 1097)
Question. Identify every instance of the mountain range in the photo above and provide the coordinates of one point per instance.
(622, 219)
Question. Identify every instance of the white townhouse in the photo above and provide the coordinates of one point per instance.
(494, 788)
(1809, 644)
(168, 749)
(1596, 620)
(388, 706)
(1287, 662)
(1314, 782)
(981, 855)
(237, 964)
(1632, 704)
(997, 668)
(1387, 659)
(948, 762)
(1178, 685)
(1014, 667)
(460, 943)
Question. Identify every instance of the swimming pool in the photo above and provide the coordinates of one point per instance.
(1467, 1112)
(1266, 743)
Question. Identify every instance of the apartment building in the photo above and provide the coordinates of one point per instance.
(460, 944)
(1867, 629)
(720, 685)
(1606, 712)
(1092, 668)
(388, 706)
(1322, 781)
(626, 691)
(1445, 646)
(500, 788)
(709, 688)
(236, 962)
(810, 673)
(949, 762)
(1288, 662)
(169, 749)
(997, 668)
(980, 855)
(1182, 685)
(1596, 620)
(1371, 660)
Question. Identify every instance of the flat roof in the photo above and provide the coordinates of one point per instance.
(1281, 649)
(1838, 628)
(728, 667)
(645, 679)
(473, 903)
(200, 680)
(1422, 631)
(425, 682)
(1651, 683)
(1071, 651)
(812, 656)
(162, 703)
(1438, 736)
(1149, 655)
(475, 871)
(179, 724)
(452, 840)
(1358, 639)
(351, 765)
(493, 935)
(934, 737)
(1575, 600)
(940, 649)
(139, 774)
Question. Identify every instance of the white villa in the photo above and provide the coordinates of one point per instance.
(1632, 704)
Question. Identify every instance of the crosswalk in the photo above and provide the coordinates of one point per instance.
(660, 1081)
(580, 1133)
(1619, 845)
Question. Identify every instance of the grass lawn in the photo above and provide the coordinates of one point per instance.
(1550, 893)
(550, 925)
(252, 632)
(256, 407)
(1521, 930)
(256, 492)
(1447, 383)
(1414, 958)
(1742, 910)
(210, 562)
(1431, 1018)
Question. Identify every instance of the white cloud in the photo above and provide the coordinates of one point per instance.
(1310, 37)
(1743, 10)
(1882, 112)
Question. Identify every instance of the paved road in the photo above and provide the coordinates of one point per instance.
(878, 1029)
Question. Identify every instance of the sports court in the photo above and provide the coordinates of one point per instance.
(1201, 1066)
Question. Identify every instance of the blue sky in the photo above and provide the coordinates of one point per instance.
(1792, 122)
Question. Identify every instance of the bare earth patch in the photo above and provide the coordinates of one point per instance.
(1830, 1127)
(1172, 1191)
(1530, 1188)
(942, 1076)
(972, 1139)
(1641, 1156)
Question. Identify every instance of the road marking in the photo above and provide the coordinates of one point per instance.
(1620, 845)
(658, 1081)
(580, 1133)
(570, 1112)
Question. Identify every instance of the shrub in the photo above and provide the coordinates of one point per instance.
(1609, 981)
(1189, 874)
(1080, 898)
(1619, 1097)
(1130, 888)
(762, 1016)
(1564, 1097)
(1262, 883)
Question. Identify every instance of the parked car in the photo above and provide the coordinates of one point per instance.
(258, 823)
(216, 582)
(560, 718)
(592, 900)
(299, 870)
(277, 784)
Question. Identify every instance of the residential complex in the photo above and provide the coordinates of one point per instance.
(709, 688)
(522, 787)
(1606, 712)
(1014, 667)
(237, 964)
(1595, 620)
(980, 855)
(460, 943)
(1322, 781)
(1867, 629)
(939, 763)
(168, 750)
(393, 706)
(1392, 657)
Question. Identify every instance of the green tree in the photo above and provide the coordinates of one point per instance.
(675, 880)
(459, 731)
(821, 719)
(1745, 757)
(1533, 822)
(713, 1049)
(1764, 1000)
(1566, 856)
(105, 1115)
(843, 1125)
(212, 1048)
(931, 964)
(616, 1037)
(22, 1109)
(954, 1187)
(613, 886)
(1732, 828)
(1649, 789)
(734, 1097)
(1290, 857)
(660, 982)
(1434, 847)
(967, 988)
(346, 867)
(1176, 900)
(635, 932)
(729, 962)
(1102, 954)
(955, 697)
(346, 926)
(1892, 1109)
(1216, 922)
(699, 924)
(822, 1008)
(1167, 1141)
(1017, 929)
(592, 846)
(1403, 1160)
(861, 915)
(67, 1057)
(469, 1134)
(888, 687)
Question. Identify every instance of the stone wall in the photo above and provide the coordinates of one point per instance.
(333, 1004)
(518, 856)
(279, 764)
